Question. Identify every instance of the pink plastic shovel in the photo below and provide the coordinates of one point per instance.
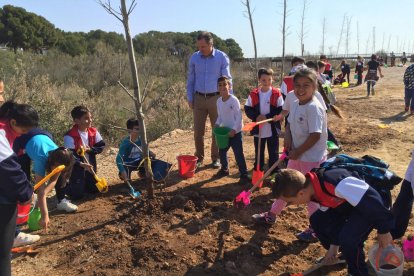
(243, 199)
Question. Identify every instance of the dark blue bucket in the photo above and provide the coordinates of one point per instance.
(160, 169)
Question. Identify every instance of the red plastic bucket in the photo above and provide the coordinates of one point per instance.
(187, 165)
(22, 213)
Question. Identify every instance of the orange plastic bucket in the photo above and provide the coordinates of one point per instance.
(187, 165)
(22, 213)
(256, 176)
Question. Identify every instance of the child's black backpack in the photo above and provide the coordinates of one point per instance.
(372, 170)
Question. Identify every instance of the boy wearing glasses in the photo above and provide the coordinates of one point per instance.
(130, 156)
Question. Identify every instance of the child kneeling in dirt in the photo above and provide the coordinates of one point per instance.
(350, 210)
(130, 156)
(83, 135)
(229, 115)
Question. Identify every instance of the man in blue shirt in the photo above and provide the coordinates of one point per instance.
(205, 67)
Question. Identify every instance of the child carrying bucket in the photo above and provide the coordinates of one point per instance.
(229, 116)
(264, 103)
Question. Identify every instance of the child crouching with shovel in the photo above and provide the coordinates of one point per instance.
(85, 142)
(130, 156)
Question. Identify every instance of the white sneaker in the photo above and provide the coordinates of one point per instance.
(23, 239)
(66, 205)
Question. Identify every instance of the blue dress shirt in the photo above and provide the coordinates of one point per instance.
(203, 72)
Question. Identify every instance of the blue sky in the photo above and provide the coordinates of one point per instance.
(226, 18)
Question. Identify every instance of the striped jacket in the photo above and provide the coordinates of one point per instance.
(409, 77)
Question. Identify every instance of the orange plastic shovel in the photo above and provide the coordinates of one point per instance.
(25, 249)
(251, 125)
(257, 172)
(56, 170)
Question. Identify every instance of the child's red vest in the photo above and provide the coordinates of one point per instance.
(11, 135)
(324, 192)
(254, 96)
(74, 133)
(288, 80)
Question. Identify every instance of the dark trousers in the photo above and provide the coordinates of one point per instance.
(332, 138)
(346, 75)
(80, 183)
(349, 231)
(236, 143)
(409, 98)
(359, 78)
(402, 208)
(8, 213)
(131, 165)
(369, 85)
(272, 149)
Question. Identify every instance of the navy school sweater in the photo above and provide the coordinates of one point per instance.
(14, 186)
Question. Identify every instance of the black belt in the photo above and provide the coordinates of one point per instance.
(208, 94)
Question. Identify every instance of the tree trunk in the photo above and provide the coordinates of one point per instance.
(256, 65)
(283, 41)
(138, 100)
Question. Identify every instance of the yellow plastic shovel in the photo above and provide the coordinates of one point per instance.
(101, 183)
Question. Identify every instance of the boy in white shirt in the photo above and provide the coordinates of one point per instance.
(263, 103)
(229, 115)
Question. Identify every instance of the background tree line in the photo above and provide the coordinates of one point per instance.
(86, 67)
(26, 30)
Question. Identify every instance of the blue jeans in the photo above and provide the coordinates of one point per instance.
(409, 98)
(236, 143)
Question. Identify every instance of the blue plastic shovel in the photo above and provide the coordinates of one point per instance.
(132, 191)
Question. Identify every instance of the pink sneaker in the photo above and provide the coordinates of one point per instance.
(408, 248)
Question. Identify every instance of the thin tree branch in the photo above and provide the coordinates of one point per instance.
(130, 110)
(132, 7)
(110, 10)
(146, 90)
(127, 91)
